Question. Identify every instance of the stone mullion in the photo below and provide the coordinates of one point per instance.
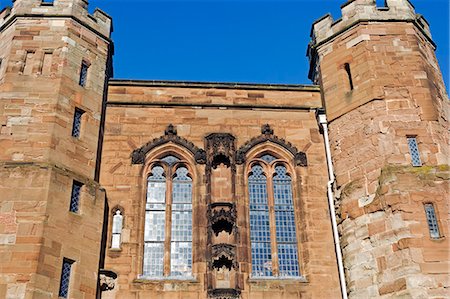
(273, 232)
(168, 228)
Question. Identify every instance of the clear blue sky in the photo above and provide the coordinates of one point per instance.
(231, 41)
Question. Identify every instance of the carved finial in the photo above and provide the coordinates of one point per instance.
(171, 130)
(266, 130)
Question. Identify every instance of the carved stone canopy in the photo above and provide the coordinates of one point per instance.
(224, 255)
(170, 135)
(222, 217)
(268, 135)
(220, 149)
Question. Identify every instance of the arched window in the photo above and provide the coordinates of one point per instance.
(168, 220)
(273, 234)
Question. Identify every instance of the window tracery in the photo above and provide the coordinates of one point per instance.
(273, 236)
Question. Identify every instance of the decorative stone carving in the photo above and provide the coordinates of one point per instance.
(222, 217)
(268, 135)
(220, 145)
(224, 293)
(170, 135)
(107, 279)
(223, 255)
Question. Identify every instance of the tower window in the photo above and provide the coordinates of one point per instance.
(75, 197)
(349, 76)
(27, 68)
(432, 221)
(65, 278)
(414, 151)
(83, 73)
(76, 128)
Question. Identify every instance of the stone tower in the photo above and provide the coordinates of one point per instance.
(55, 60)
(386, 106)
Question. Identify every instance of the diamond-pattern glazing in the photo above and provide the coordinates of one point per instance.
(75, 197)
(65, 278)
(83, 73)
(432, 221)
(414, 151)
(76, 127)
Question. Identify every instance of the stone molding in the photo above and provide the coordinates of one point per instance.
(267, 135)
(170, 135)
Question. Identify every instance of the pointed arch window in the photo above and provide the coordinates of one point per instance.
(273, 234)
(168, 220)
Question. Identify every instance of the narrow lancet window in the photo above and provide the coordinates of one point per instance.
(83, 73)
(349, 76)
(65, 278)
(259, 223)
(432, 221)
(117, 230)
(155, 220)
(414, 151)
(77, 117)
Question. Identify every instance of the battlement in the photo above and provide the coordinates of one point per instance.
(354, 11)
(99, 21)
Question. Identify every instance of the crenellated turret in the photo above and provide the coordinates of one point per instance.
(386, 105)
(55, 63)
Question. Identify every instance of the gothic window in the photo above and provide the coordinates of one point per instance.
(168, 220)
(117, 225)
(273, 234)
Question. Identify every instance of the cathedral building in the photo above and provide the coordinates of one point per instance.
(133, 189)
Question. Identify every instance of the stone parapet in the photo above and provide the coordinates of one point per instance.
(99, 21)
(355, 11)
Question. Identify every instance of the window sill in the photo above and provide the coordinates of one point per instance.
(167, 279)
(282, 279)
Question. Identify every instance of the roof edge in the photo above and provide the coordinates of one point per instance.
(216, 85)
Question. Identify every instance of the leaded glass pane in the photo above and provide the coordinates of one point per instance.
(259, 224)
(181, 245)
(268, 158)
(75, 197)
(65, 278)
(153, 259)
(285, 223)
(288, 260)
(154, 225)
(414, 151)
(76, 128)
(83, 73)
(261, 260)
(181, 259)
(432, 221)
(156, 189)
